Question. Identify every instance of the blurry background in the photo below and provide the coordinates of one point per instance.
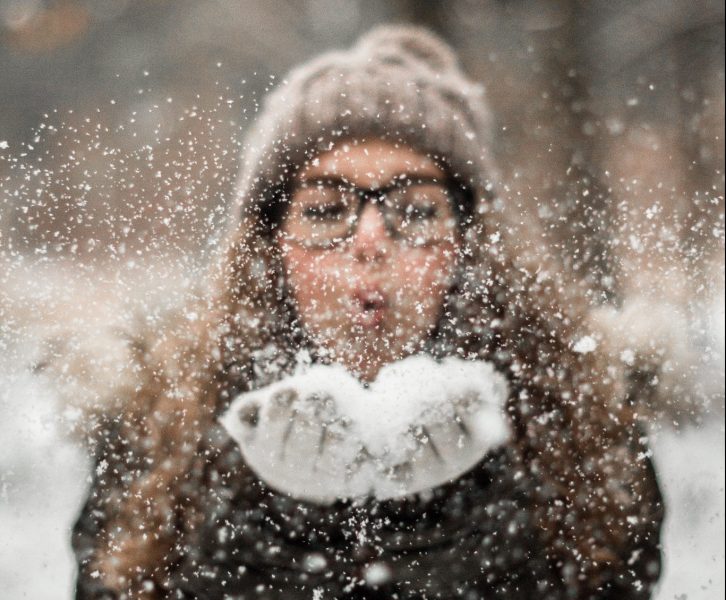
(120, 128)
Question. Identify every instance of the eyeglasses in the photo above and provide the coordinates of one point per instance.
(325, 212)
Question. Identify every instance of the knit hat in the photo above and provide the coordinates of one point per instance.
(400, 83)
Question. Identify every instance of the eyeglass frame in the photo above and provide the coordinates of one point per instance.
(455, 195)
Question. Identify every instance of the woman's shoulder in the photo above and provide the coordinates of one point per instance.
(107, 368)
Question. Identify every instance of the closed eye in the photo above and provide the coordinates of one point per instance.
(324, 212)
(419, 212)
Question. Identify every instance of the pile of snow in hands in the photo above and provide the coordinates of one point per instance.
(320, 435)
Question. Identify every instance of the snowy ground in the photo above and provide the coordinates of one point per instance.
(43, 480)
(691, 470)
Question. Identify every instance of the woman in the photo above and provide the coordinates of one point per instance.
(367, 232)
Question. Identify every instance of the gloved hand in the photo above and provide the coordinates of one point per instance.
(320, 436)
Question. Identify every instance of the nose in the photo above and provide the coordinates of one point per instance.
(371, 241)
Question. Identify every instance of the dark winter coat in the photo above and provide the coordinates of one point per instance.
(476, 538)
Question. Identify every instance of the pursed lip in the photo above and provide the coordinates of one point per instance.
(370, 305)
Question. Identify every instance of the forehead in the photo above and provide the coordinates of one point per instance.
(370, 163)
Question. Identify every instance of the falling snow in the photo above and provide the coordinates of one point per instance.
(310, 333)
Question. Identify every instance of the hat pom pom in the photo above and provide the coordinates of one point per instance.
(399, 43)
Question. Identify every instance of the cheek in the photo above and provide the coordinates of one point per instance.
(424, 276)
(316, 279)
(426, 272)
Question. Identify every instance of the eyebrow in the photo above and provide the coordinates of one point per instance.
(340, 180)
(324, 179)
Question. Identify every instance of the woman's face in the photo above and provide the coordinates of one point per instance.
(373, 294)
